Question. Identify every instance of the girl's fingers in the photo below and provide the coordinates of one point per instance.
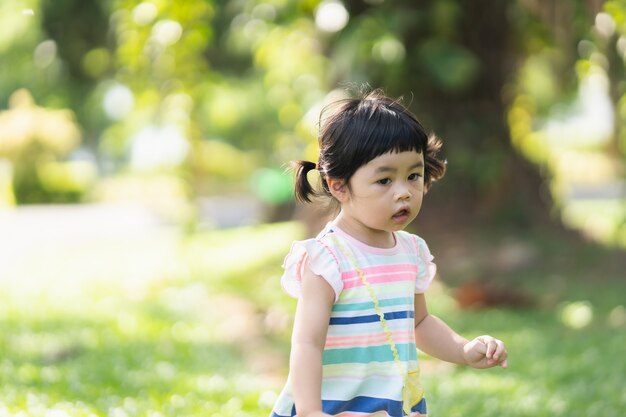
(488, 350)
(495, 349)
(481, 348)
(500, 355)
(492, 346)
(495, 352)
(476, 347)
(500, 352)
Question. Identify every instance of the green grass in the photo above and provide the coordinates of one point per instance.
(553, 369)
(212, 339)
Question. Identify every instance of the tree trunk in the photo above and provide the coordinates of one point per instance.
(487, 181)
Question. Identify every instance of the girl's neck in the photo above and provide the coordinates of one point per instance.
(371, 237)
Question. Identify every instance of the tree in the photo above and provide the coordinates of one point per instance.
(249, 76)
(459, 63)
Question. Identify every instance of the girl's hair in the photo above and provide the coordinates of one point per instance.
(361, 129)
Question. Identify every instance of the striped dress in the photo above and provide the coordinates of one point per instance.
(359, 376)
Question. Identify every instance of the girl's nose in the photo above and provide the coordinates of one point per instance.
(403, 193)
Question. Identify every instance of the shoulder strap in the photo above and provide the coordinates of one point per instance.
(412, 390)
(372, 293)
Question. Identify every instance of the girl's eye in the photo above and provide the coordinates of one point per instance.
(414, 177)
(384, 181)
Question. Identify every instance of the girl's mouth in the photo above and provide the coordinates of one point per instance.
(401, 216)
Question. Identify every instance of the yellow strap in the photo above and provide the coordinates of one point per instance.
(412, 390)
(383, 321)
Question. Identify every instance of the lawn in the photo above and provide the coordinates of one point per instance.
(209, 336)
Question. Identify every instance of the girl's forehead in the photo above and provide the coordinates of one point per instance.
(394, 158)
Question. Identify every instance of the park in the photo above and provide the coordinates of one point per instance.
(146, 200)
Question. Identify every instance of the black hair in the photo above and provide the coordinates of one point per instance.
(360, 129)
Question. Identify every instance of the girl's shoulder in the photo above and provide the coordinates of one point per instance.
(426, 267)
(412, 240)
(318, 254)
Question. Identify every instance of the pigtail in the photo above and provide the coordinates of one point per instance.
(302, 187)
(435, 167)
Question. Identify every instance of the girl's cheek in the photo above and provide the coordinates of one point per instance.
(370, 192)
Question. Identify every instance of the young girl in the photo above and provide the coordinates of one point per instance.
(360, 283)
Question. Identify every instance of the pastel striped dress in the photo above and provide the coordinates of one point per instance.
(359, 376)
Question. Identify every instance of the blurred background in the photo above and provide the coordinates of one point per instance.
(145, 205)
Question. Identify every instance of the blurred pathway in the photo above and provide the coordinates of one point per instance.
(77, 242)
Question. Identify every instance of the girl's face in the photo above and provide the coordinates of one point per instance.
(385, 195)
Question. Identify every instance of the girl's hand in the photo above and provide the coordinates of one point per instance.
(317, 414)
(485, 352)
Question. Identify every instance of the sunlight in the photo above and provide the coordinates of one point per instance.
(144, 13)
(605, 25)
(25, 124)
(154, 147)
(331, 16)
(576, 315)
(572, 136)
(590, 121)
(118, 101)
(167, 32)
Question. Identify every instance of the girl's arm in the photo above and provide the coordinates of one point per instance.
(307, 342)
(435, 338)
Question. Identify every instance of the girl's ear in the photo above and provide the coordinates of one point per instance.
(338, 189)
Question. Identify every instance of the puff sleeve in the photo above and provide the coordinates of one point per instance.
(321, 260)
(426, 268)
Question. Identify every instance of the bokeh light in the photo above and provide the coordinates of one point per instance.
(167, 32)
(331, 16)
(45, 53)
(144, 13)
(118, 101)
(577, 314)
(153, 147)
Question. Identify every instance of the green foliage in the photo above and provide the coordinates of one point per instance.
(437, 54)
(160, 86)
(567, 111)
(22, 33)
(33, 141)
